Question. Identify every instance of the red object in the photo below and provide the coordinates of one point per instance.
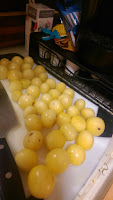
(48, 23)
(35, 26)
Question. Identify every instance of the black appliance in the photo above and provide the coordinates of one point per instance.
(96, 35)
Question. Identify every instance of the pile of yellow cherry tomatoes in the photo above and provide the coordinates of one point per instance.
(46, 103)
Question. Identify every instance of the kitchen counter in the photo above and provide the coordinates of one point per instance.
(21, 50)
(109, 195)
(14, 49)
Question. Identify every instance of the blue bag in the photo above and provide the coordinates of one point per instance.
(70, 13)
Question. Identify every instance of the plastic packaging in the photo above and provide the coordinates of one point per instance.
(70, 13)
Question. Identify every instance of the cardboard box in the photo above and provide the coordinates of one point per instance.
(27, 32)
(38, 16)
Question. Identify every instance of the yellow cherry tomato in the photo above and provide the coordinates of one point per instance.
(28, 74)
(25, 83)
(26, 66)
(16, 94)
(33, 90)
(80, 104)
(44, 88)
(85, 139)
(18, 60)
(28, 59)
(87, 113)
(70, 92)
(14, 74)
(72, 111)
(76, 154)
(54, 93)
(36, 81)
(38, 69)
(57, 160)
(26, 100)
(3, 72)
(69, 131)
(41, 182)
(95, 125)
(79, 123)
(41, 106)
(56, 105)
(43, 76)
(55, 139)
(4, 61)
(15, 85)
(48, 118)
(66, 100)
(13, 65)
(61, 87)
(33, 140)
(51, 82)
(46, 97)
(33, 122)
(26, 159)
(62, 118)
(29, 110)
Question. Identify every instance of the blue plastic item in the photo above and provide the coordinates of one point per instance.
(70, 13)
(51, 34)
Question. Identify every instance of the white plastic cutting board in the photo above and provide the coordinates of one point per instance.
(69, 183)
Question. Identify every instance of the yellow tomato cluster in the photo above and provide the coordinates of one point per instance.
(46, 103)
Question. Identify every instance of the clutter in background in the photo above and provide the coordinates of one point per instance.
(61, 38)
(70, 15)
(38, 16)
(70, 12)
(65, 41)
(50, 34)
(61, 29)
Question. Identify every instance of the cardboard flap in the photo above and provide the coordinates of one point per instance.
(32, 2)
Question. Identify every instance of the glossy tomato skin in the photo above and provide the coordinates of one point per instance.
(48, 118)
(57, 160)
(28, 59)
(55, 139)
(76, 154)
(33, 140)
(41, 182)
(18, 60)
(26, 159)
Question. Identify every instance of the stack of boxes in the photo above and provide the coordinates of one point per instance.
(38, 16)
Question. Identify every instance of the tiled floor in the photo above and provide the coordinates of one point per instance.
(14, 49)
